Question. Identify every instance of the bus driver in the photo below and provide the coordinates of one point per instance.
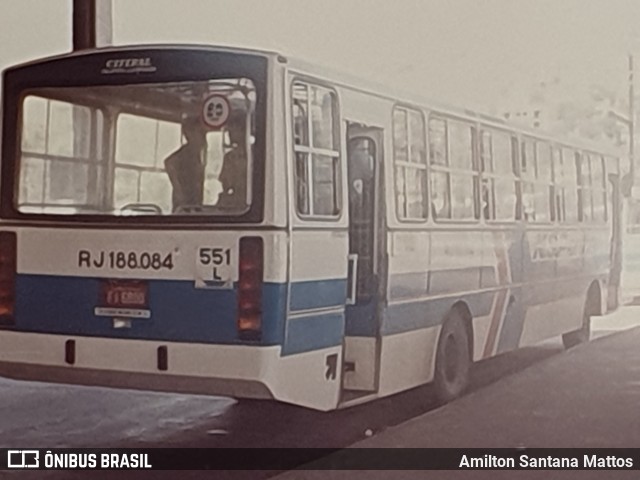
(185, 166)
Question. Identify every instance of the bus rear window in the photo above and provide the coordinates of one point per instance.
(149, 149)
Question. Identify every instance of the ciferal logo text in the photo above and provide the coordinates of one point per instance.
(23, 459)
(129, 65)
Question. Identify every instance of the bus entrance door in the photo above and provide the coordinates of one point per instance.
(362, 343)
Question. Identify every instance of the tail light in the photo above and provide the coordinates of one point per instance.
(250, 278)
(7, 277)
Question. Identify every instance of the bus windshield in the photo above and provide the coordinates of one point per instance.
(179, 148)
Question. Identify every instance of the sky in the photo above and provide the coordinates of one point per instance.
(482, 54)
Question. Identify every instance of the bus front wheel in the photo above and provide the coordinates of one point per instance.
(453, 359)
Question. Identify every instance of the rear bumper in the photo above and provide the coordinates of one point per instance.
(136, 381)
(239, 371)
(242, 371)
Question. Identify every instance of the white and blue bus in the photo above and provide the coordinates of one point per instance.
(229, 221)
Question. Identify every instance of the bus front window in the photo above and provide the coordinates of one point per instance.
(153, 149)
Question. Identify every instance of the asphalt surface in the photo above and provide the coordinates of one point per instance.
(45, 415)
(588, 397)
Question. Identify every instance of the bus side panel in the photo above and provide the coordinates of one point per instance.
(503, 260)
(554, 302)
(429, 272)
(315, 324)
(318, 291)
(276, 209)
(597, 251)
(311, 379)
(408, 265)
(453, 273)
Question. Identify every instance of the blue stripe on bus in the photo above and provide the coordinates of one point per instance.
(65, 305)
(404, 317)
(304, 334)
(179, 311)
(454, 280)
(417, 284)
(318, 294)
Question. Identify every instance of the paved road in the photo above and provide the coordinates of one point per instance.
(586, 398)
(45, 415)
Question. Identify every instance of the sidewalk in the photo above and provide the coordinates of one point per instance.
(586, 397)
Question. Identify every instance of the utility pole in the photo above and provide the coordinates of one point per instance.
(629, 180)
(92, 28)
(92, 24)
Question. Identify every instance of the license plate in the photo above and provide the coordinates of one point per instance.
(124, 294)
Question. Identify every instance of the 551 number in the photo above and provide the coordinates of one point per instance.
(214, 256)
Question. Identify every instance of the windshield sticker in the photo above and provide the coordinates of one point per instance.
(215, 111)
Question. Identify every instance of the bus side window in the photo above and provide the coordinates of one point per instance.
(487, 197)
(515, 160)
(409, 154)
(463, 171)
(316, 150)
(527, 177)
(592, 188)
(302, 184)
(543, 190)
(300, 116)
(498, 181)
(599, 189)
(583, 167)
(454, 171)
(569, 185)
(438, 158)
(558, 193)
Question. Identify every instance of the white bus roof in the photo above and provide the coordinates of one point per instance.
(350, 81)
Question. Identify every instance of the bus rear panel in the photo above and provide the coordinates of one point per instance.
(141, 244)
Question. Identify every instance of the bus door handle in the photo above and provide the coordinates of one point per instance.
(352, 278)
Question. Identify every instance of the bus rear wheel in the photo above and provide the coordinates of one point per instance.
(583, 334)
(453, 359)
